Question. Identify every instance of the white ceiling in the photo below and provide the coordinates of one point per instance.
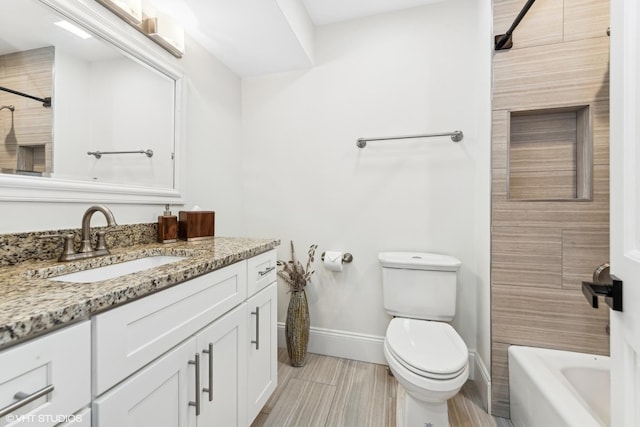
(256, 37)
(324, 12)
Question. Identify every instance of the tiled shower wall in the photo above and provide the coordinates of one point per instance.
(30, 125)
(542, 249)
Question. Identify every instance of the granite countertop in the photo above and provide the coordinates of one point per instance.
(30, 304)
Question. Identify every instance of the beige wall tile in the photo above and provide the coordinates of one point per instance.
(585, 19)
(600, 120)
(499, 139)
(542, 24)
(500, 379)
(558, 75)
(526, 257)
(566, 237)
(582, 252)
(551, 318)
(565, 214)
(542, 185)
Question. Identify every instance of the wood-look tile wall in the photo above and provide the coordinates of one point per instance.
(542, 250)
(30, 125)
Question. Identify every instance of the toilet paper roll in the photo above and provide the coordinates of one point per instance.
(333, 260)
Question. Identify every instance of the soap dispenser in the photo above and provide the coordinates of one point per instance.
(167, 227)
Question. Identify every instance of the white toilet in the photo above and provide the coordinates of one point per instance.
(425, 354)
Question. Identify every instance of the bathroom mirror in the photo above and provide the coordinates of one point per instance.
(113, 129)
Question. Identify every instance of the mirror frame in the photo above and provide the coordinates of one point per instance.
(94, 17)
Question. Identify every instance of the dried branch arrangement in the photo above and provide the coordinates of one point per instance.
(294, 273)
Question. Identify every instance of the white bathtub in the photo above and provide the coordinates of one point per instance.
(553, 388)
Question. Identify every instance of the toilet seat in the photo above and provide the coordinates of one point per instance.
(427, 348)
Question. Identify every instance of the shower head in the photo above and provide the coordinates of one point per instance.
(8, 107)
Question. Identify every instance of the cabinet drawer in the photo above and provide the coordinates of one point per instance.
(129, 337)
(261, 271)
(59, 359)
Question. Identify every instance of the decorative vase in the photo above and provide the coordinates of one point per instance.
(296, 328)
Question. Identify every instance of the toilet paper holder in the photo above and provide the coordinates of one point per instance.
(346, 257)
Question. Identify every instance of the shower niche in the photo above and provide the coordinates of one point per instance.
(550, 154)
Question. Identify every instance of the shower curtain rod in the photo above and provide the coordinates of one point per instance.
(456, 136)
(503, 41)
(46, 102)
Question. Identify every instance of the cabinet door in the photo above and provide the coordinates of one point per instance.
(160, 395)
(223, 370)
(263, 348)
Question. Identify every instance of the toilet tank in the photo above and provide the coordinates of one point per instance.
(419, 285)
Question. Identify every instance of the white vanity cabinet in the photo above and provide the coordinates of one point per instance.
(127, 338)
(189, 316)
(262, 320)
(56, 367)
(203, 353)
(198, 383)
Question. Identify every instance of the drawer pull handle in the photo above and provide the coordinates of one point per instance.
(25, 399)
(210, 388)
(257, 341)
(197, 402)
(266, 271)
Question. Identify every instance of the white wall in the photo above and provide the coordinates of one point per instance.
(214, 177)
(482, 59)
(71, 78)
(213, 119)
(113, 104)
(407, 72)
(131, 110)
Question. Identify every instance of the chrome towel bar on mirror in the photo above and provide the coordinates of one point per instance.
(99, 154)
(456, 136)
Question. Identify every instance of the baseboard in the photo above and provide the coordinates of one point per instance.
(336, 343)
(482, 381)
(366, 348)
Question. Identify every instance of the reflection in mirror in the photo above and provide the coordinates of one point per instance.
(103, 99)
(25, 123)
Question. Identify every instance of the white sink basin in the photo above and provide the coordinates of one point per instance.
(116, 270)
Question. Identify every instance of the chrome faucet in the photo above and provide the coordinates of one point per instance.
(86, 250)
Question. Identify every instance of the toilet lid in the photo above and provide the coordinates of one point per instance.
(430, 349)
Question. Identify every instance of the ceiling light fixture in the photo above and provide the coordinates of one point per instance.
(164, 31)
(144, 17)
(129, 10)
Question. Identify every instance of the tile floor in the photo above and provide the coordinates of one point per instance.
(334, 392)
